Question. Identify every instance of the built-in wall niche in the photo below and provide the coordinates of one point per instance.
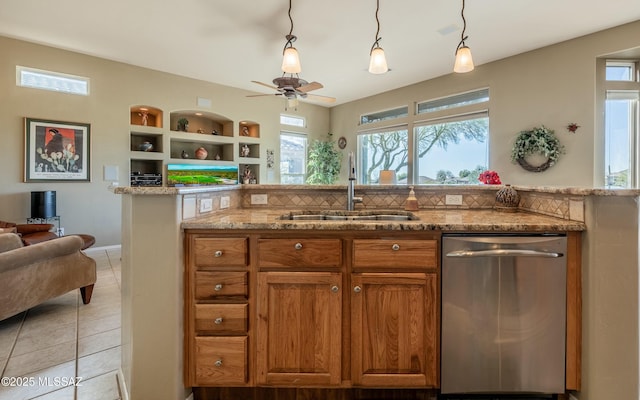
(201, 122)
(249, 173)
(146, 116)
(188, 150)
(249, 150)
(146, 142)
(249, 129)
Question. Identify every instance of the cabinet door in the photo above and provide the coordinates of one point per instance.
(299, 328)
(394, 339)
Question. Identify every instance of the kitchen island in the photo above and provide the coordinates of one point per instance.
(153, 259)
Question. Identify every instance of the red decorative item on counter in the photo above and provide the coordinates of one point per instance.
(490, 178)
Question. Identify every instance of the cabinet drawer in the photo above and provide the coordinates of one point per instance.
(220, 252)
(300, 252)
(390, 253)
(228, 318)
(220, 360)
(210, 284)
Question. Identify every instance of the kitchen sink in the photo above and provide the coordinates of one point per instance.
(349, 216)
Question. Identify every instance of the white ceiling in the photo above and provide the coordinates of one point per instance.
(232, 42)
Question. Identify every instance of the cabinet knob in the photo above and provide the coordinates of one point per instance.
(335, 289)
(298, 246)
(218, 321)
(395, 247)
(357, 289)
(218, 253)
(218, 363)
(218, 287)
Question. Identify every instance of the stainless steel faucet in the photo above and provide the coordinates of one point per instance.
(351, 199)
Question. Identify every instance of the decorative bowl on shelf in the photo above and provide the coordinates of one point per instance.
(201, 153)
(145, 146)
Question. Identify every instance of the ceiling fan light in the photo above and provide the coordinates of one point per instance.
(292, 102)
(378, 61)
(291, 61)
(464, 61)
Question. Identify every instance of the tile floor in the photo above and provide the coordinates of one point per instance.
(50, 345)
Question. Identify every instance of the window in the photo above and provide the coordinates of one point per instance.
(621, 124)
(382, 150)
(293, 158)
(451, 147)
(454, 151)
(292, 121)
(384, 115)
(459, 100)
(54, 81)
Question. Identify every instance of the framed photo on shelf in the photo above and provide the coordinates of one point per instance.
(57, 151)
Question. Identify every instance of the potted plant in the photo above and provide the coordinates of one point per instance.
(183, 124)
(323, 165)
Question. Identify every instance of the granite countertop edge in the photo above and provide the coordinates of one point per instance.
(429, 220)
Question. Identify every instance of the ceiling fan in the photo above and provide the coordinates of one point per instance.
(292, 87)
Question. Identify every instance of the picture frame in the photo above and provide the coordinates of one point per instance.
(57, 151)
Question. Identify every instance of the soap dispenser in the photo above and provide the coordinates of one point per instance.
(411, 203)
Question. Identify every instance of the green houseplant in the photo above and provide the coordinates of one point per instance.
(324, 161)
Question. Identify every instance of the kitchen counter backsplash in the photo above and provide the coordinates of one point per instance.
(560, 202)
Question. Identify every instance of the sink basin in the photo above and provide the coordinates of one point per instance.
(349, 216)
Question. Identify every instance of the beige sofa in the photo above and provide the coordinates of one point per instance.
(30, 275)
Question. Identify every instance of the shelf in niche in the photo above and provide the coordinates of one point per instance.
(143, 115)
(249, 129)
(224, 150)
(254, 150)
(202, 123)
(138, 139)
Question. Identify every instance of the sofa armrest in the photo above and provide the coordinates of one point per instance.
(9, 241)
(41, 251)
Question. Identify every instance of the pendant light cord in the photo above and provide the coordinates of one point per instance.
(464, 28)
(290, 37)
(377, 39)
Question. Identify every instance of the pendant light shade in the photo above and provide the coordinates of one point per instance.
(378, 61)
(291, 61)
(464, 61)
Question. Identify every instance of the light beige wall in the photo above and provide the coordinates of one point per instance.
(90, 207)
(554, 86)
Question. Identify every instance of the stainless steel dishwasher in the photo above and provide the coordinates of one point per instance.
(503, 314)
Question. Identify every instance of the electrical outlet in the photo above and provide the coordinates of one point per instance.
(224, 202)
(453, 200)
(259, 199)
(206, 205)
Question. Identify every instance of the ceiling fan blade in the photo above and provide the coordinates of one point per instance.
(310, 86)
(264, 84)
(261, 95)
(326, 99)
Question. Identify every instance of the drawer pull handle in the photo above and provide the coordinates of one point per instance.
(218, 253)
(357, 289)
(218, 363)
(335, 289)
(218, 287)
(395, 247)
(298, 246)
(218, 321)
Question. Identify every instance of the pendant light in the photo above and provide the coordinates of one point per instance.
(378, 61)
(290, 58)
(464, 62)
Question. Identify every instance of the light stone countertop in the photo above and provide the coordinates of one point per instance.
(577, 191)
(445, 220)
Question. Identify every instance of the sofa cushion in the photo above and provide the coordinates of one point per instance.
(8, 230)
(9, 241)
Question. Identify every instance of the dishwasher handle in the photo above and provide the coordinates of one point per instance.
(503, 253)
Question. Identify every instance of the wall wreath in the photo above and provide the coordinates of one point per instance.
(540, 140)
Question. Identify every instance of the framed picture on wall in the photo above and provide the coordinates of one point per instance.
(57, 151)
